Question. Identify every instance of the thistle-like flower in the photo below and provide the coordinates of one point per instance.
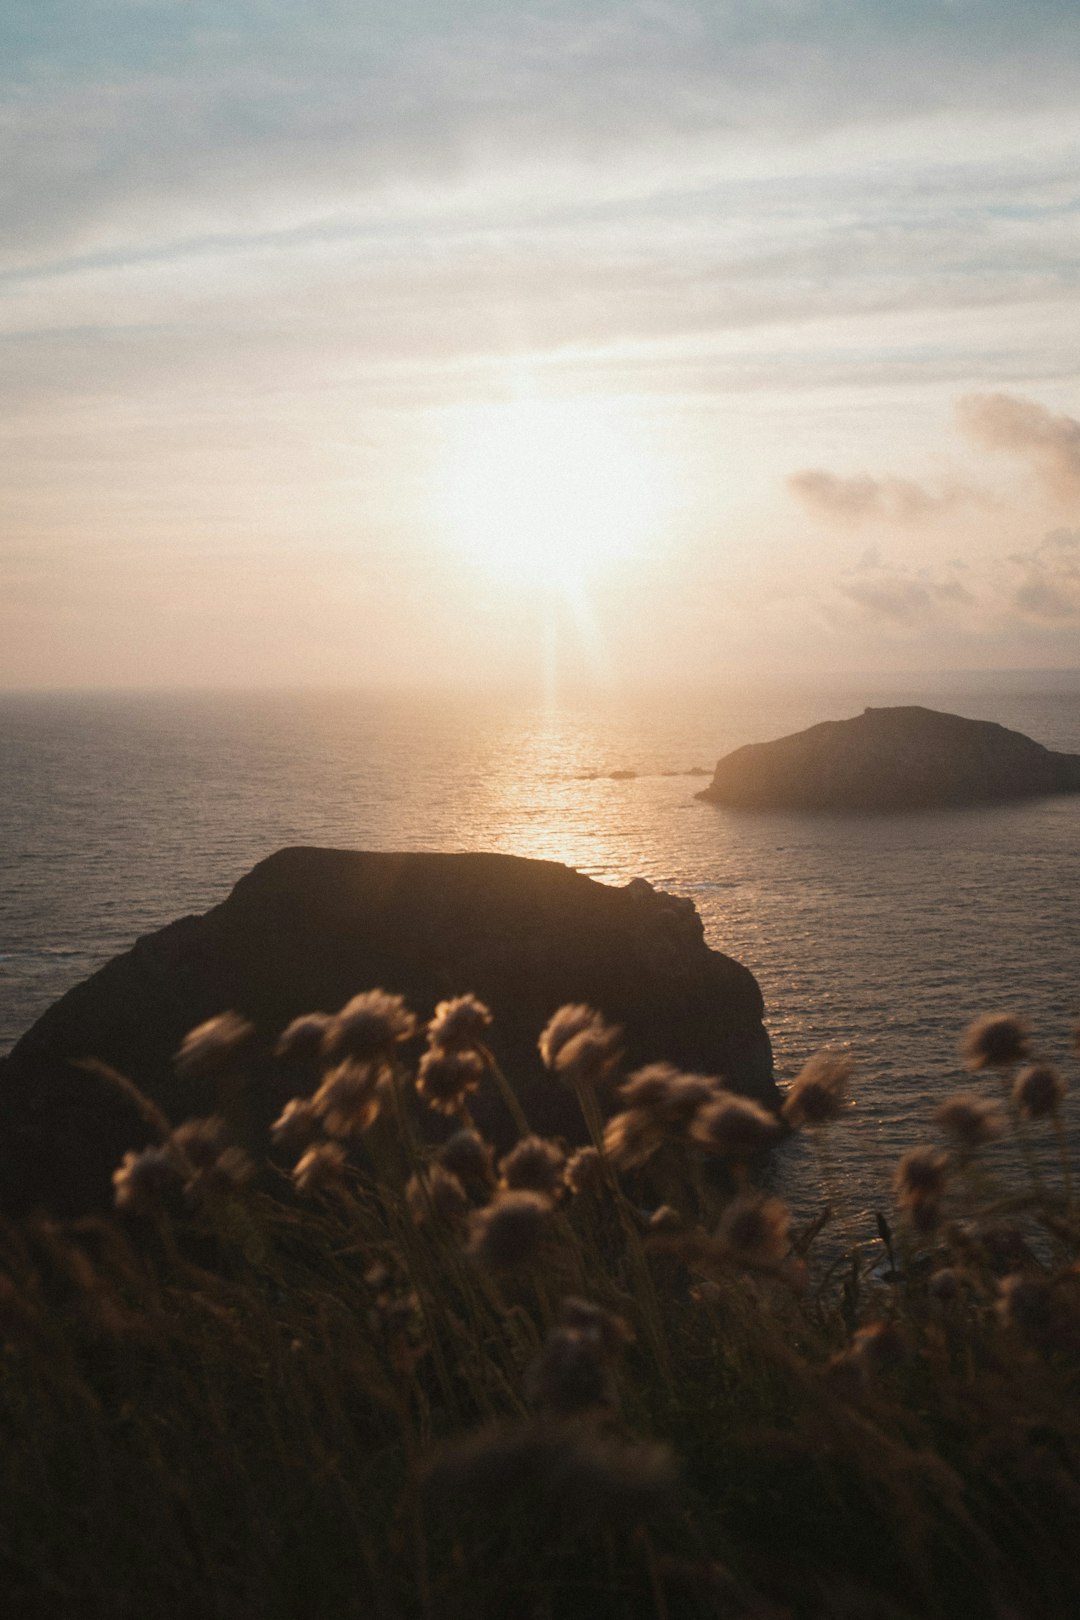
(368, 1027)
(755, 1229)
(920, 1178)
(206, 1158)
(214, 1046)
(996, 1041)
(734, 1126)
(584, 1171)
(321, 1168)
(440, 1194)
(446, 1077)
(820, 1090)
(459, 1025)
(570, 1374)
(509, 1234)
(631, 1138)
(348, 1100)
(534, 1165)
(467, 1156)
(579, 1046)
(1039, 1090)
(296, 1125)
(302, 1040)
(147, 1182)
(970, 1120)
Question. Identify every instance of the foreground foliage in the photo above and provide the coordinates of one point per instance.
(360, 1375)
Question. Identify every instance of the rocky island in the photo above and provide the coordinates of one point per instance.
(308, 928)
(908, 758)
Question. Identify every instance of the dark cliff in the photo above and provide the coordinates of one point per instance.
(307, 928)
(892, 759)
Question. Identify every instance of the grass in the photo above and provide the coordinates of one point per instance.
(335, 1377)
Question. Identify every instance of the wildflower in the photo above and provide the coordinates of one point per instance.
(1039, 1090)
(970, 1120)
(212, 1046)
(147, 1182)
(734, 1126)
(579, 1046)
(631, 1138)
(570, 1374)
(509, 1233)
(445, 1078)
(755, 1229)
(879, 1344)
(666, 1219)
(302, 1040)
(920, 1177)
(947, 1285)
(534, 1165)
(459, 1025)
(467, 1156)
(440, 1193)
(368, 1027)
(611, 1333)
(321, 1167)
(995, 1042)
(584, 1171)
(1027, 1304)
(818, 1093)
(348, 1100)
(204, 1153)
(668, 1094)
(295, 1125)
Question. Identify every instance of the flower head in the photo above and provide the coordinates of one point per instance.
(631, 1138)
(302, 1040)
(1039, 1090)
(147, 1182)
(734, 1126)
(584, 1171)
(570, 1374)
(508, 1235)
(445, 1078)
(348, 1100)
(213, 1046)
(920, 1178)
(439, 1194)
(579, 1046)
(756, 1229)
(368, 1027)
(467, 1156)
(459, 1025)
(818, 1093)
(295, 1125)
(970, 1120)
(534, 1165)
(996, 1041)
(321, 1168)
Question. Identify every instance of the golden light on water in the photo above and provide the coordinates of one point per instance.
(548, 491)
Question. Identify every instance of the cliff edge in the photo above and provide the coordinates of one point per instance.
(891, 759)
(308, 928)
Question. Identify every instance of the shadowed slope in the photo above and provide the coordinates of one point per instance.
(892, 759)
(307, 928)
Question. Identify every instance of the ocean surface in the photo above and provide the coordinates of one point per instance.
(883, 935)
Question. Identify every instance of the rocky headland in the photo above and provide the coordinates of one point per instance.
(308, 928)
(891, 759)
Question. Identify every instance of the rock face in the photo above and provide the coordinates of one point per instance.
(308, 928)
(891, 759)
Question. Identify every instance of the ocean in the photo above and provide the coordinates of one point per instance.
(884, 935)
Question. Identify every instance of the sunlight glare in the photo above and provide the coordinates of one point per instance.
(547, 491)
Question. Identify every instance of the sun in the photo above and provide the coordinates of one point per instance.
(547, 491)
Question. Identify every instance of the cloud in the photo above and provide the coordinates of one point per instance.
(1049, 589)
(1051, 444)
(855, 500)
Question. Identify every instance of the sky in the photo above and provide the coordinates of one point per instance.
(486, 343)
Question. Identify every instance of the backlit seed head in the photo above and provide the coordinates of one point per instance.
(348, 1100)
(467, 1156)
(1027, 1304)
(920, 1177)
(610, 1332)
(321, 1168)
(570, 1374)
(970, 1120)
(879, 1344)
(996, 1041)
(446, 1078)
(368, 1027)
(584, 1171)
(302, 1040)
(147, 1182)
(200, 1141)
(214, 1046)
(459, 1025)
(534, 1165)
(820, 1090)
(631, 1139)
(295, 1125)
(579, 1046)
(509, 1234)
(756, 1229)
(734, 1126)
(1039, 1090)
(440, 1194)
